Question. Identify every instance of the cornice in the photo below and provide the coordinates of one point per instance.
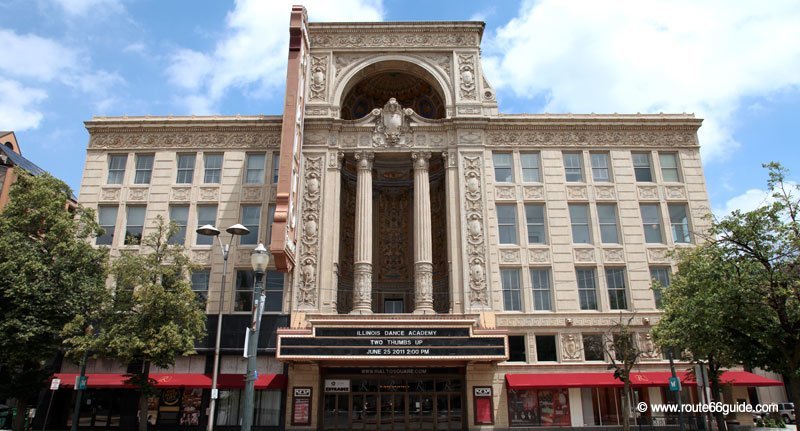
(395, 35)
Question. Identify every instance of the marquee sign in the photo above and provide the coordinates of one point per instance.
(392, 343)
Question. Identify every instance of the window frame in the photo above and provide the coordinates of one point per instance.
(536, 223)
(116, 170)
(201, 221)
(609, 178)
(128, 224)
(685, 225)
(512, 295)
(568, 169)
(657, 293)
(203, 276)
(276, 165)
(537, 289)
(526, 170)
(212, 171)
(543, 337)
(255, 229)
(524, 347)
(645, 222)
(584, 339)
(145, 171)
(676, 168)
(505, 225)
(581, 224)
(606, 223)
(271, 287)
(617, 274)
(639, 169)
(498, 167)
(187, 171)
(248, 169)
(583, 290)
(109, 230)
(180, 237)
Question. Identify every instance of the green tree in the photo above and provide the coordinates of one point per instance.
(154, 316)
(51, 274)
(746, 281)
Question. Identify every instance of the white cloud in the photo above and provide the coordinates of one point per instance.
(31, 56)
(650, 56)
(748, 201)
(84, 8)
(19, 110)
(252, 55)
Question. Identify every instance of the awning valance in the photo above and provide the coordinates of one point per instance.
(647, 378)
(174, 380)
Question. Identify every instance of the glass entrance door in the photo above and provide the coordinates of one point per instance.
(335, 414)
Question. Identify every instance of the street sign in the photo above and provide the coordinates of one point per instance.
(80, 383)
(674, 384)
(54, 384)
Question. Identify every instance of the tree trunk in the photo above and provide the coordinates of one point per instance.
(18, 423)
(626, 417)
(143, 398)
(713, 381)
(794, 386)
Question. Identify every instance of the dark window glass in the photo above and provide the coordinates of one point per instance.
(593, 347)
(134, 225)
(107, 219)
(546, 348)
(516, 348)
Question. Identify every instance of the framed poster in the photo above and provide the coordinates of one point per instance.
(482, 403)
(301, 406)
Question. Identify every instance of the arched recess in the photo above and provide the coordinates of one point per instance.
(413, 82)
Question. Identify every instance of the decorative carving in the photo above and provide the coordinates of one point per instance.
(186, 137)
(309, 237)
(317, 111)
(675, 192)
(648, 347)
(469, 110)
(393, 128)
(319, 74)
(613, 255)
(251, 193)
(343, 61)
(181, 193)
(423, 284)
(466, 71)
(576, 192)
(584, 255)
(604, 192)
(109, 194)
(470, 137)
(381, 38)
(393, 228)
(573, 136)
(570, 347)
(137, 194)
(647, 192)
(538, 255)
(476, 246)
(201, 256)
(533, 193)
(335, 160)
(505, 192)
(442, 61)
(209, 193)
(657, 255)
(509, 256)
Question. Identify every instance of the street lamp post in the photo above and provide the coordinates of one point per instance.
(259, 259)
(209, 230)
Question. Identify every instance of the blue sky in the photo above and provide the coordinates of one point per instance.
(734, 63)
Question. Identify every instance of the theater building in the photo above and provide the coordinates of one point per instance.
(437, 264)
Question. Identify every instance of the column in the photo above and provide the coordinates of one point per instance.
(362, 289)
(423, 249)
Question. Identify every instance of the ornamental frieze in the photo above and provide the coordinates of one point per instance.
(309, 238)
(476, 243)
(630, 138)
(396, 40)
(187, 139)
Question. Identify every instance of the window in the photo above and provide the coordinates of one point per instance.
(641, 167)
(528, 408)
(511, 297)
(587, 288)
(579, 217)
(270, 219)
(593, 347)
(651, 222)
(134, 225)
(266, 411)
(185, 168)
(503, 167)
(180, 215)
(516, 348)
(607, 214)
(200, 280)
(573, 167)
(669, 167)
(273, 291)
(601, 171)
(107, 219)
(251, 219)
(661, 274)
(276, 162)
(534, 215)
(243, 291)
(144, 169)
(213, 168)
(393, 306)
(540, 283)
(615, 279)
(546, 348)
(507, 223)
(116, 168)
(206, 214)
(530, 167)
(679, 223)
(254, 171)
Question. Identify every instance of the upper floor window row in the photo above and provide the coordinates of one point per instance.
(254, 169)
(530, 167)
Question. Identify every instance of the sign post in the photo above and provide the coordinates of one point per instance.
(54, 385)
(674, 384)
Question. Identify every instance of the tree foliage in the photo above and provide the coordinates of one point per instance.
(51, 275)
(736, 298)
(619, 344)
(154, 316)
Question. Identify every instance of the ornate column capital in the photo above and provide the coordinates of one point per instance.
(421, 159)
(364, 160)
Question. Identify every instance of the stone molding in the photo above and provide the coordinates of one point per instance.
(309, 238)
(182, 138)
(476, 242)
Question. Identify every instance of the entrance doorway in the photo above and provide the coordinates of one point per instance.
(388, 402)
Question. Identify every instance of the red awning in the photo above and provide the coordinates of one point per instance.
(175, 380)
(648, 378)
